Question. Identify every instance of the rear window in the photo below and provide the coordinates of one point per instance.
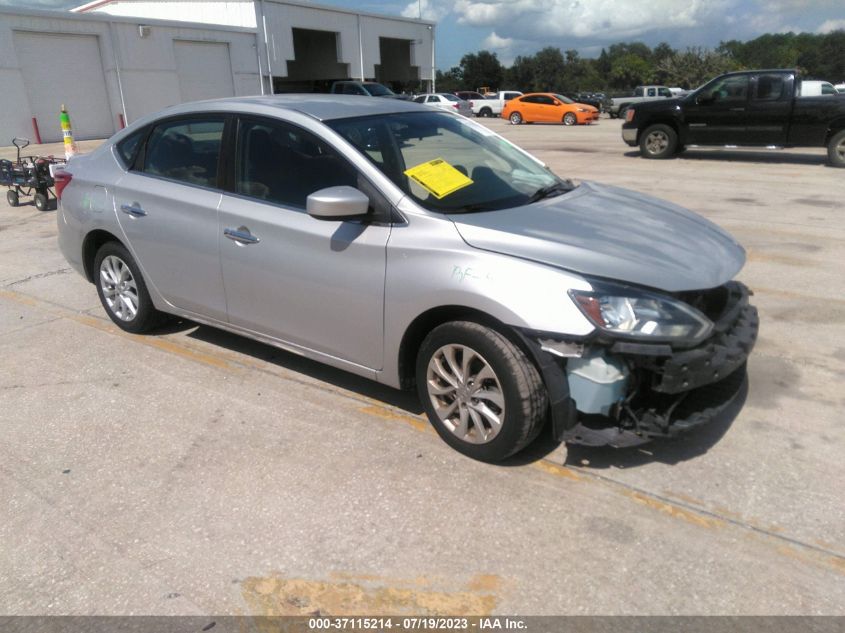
(127, 149)
(187, 151)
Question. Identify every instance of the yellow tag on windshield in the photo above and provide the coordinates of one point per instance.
(438, 177)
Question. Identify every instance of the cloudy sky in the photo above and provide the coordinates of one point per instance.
(514, 27)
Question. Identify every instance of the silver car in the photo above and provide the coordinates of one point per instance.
(445, 101)
(418, 249)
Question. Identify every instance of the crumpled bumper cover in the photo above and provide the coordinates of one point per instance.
(680, 389)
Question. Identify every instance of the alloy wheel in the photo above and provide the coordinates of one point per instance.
(466, 394)
(656, 142)
(119, 288)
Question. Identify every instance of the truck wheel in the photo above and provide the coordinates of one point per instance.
(12, 198)
(516, 118)
(836, 149)
(485, 112)
(483, 396)
(570, 119)
(658, 141)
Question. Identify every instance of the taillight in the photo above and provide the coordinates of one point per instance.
(62, 179)
(455, 105)
(470, 104)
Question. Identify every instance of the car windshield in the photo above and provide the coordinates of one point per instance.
(450, 164)
(563, 99)
(377, 90)
(449, 97)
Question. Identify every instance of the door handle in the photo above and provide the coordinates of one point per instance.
(133, 209)
(241, 235)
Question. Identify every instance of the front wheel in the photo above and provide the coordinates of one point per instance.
(658, 141)
(481, 393)
(12, 198)
(42, 203)
(570, 119)
(122, 290)
(515, 118)
(836, 149)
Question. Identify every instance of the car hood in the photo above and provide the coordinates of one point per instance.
(613, 233)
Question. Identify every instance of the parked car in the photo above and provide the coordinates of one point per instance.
(494, 103)
(364, 89)
(584, 97)
(840, 88)
(750, 108)
(445, 101)
(812, 88)
(619, 105)
(339, 228)
(546, 107)
(470, 95)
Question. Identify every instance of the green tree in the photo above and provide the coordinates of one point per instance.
(694, 66)
(482, 69)
(548, 64)
(520, 76)
(630, 70)
(450, 81)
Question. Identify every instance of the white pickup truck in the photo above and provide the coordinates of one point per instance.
(641, 94)
(493, 105)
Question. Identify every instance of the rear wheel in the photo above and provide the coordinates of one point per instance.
(41, 202)
(122, 290)
(658, 141)
(836, 149)
(12, 198)
(485, 112)
(570, 119)
(483, 396)
(515, 118)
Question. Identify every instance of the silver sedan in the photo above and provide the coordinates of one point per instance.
(419, 249)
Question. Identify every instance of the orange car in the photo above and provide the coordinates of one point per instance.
(547, 107)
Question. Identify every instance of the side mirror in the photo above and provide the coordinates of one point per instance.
(337, 203)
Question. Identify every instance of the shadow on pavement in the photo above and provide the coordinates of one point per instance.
(771, 157)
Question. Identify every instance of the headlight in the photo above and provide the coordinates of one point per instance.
(631, 313)
(581, 110)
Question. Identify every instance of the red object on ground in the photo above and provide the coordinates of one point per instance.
(35, 129)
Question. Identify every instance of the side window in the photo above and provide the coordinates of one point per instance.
(433, 99)
(544, 100)
(652, 92)
(280, 163)
(639, 91)
(728, 90)
(828, 89)
(769, 88)
(127, 149)
(185, 150)
(510, 95)
(530, 99)
(664, 92)
(419, 99)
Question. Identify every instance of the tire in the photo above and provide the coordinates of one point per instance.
(658, 141)
(12, 198)
(42, 203)
(114, 264)
(513, 391)
(836, 149)
(570, 119)
(485, 112)
(515, 118)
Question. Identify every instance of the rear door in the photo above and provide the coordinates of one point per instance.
(317, 284)
(769, 108)
(719, 113)
(167, 207)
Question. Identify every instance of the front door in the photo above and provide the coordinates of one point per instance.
(317, 284)
(719, 113)
(167, 207)
(769, 108)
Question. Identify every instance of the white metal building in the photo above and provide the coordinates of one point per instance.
(113, 61)
(305, 46)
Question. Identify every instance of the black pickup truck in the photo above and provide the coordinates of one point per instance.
(755, 108)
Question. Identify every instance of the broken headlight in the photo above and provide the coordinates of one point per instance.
(639, 314)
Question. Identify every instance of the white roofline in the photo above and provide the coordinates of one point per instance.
(85, 8)
(119, 19)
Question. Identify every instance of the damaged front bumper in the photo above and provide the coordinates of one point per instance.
(671, 390)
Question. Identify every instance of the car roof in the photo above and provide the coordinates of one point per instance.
(323, 107)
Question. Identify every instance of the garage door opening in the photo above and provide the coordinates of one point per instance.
(83, 90)
(315, 65)
(395, 69)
